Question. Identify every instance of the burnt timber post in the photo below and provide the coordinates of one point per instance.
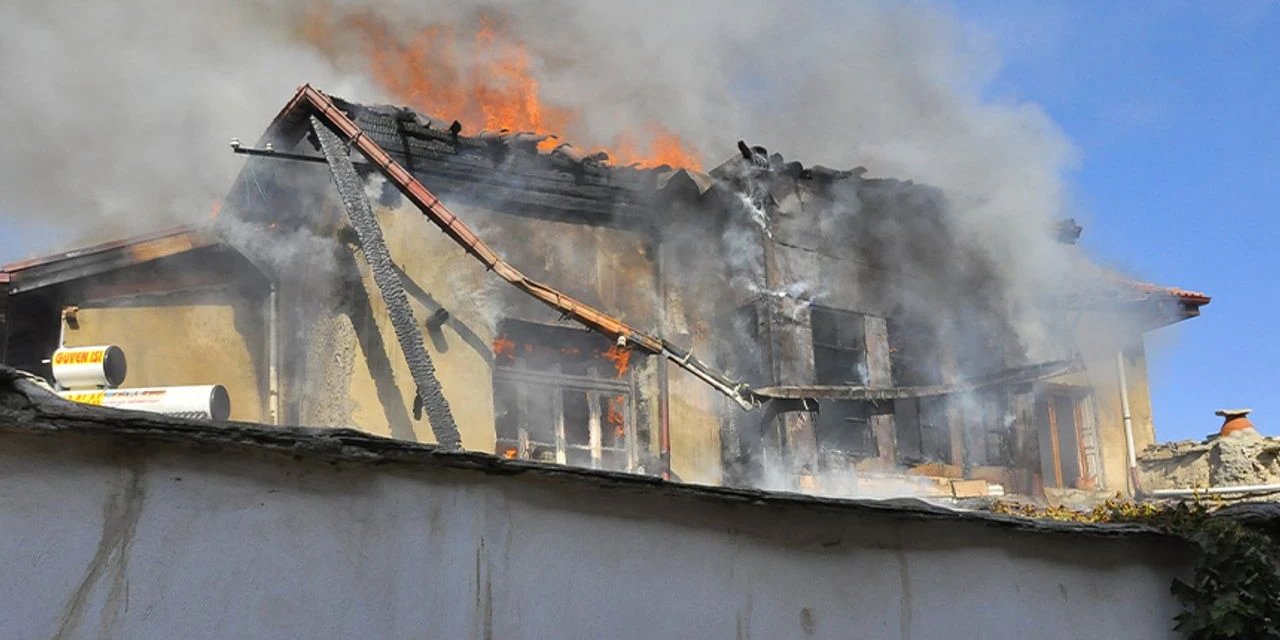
(790, 348)
(351, 189)
(880, 376)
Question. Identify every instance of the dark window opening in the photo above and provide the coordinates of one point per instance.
(563, 395)
(989, 430)
(839, 347)
(840, 358)
(913, 354)
(844, 431)
(922, 431)
(920, 424)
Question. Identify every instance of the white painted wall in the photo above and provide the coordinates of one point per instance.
(106, 539)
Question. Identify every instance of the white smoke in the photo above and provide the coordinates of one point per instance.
(119, 113)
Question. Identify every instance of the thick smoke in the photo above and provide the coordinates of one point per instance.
(119, 113)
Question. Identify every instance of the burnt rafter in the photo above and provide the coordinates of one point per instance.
(351, 189)
(1023, 375)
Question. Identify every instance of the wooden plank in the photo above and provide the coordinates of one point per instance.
(1053, 442)
(969, 488)
(880, 375)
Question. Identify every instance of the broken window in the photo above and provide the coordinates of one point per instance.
(839, 347)
(1068, 436)
(913, 354)
(563, 395)
(922, 432)
(840, 358)
(920, 424)
(988, 433)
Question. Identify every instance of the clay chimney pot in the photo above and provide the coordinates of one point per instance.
(1234, 421)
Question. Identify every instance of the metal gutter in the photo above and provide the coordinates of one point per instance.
(1130, 451)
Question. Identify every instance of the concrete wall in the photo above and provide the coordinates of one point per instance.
(104, 538)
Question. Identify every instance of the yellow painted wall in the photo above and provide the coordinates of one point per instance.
(600, 266)
(1100, 336)
(695, 428)
(185, 344)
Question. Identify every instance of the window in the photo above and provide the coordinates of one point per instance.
(839, 347)
(840, 358)
(563, 395)
(988, 429)
(913, 354)
(920, 424)
(1068, 437)
(921, 428)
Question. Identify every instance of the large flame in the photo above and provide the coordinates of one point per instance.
(484, 79)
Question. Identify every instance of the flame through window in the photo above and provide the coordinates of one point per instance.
(563, 395)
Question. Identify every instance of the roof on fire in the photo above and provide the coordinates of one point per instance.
(566, 177)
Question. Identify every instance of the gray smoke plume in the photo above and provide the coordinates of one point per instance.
(119, 113)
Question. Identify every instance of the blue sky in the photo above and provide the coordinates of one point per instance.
(1175, 108)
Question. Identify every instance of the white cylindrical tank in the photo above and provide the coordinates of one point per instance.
(202, 402)
(89, 367)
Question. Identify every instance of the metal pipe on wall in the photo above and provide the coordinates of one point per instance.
(1213, 491)
(1131, 455)
(664, 418)
(273, 355)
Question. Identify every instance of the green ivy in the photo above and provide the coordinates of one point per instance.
(1234, 592)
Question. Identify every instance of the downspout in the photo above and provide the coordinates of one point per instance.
(1132, 457)
(273, 355)
(664, 419)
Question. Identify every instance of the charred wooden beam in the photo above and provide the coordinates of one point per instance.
(351, 189)
(1023, 375)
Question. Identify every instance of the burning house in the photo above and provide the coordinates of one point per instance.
(765, 323)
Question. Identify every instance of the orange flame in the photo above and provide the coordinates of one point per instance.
(486, 79)
(614, 414)
(504, 348)
(620, 357)
(215, 209)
